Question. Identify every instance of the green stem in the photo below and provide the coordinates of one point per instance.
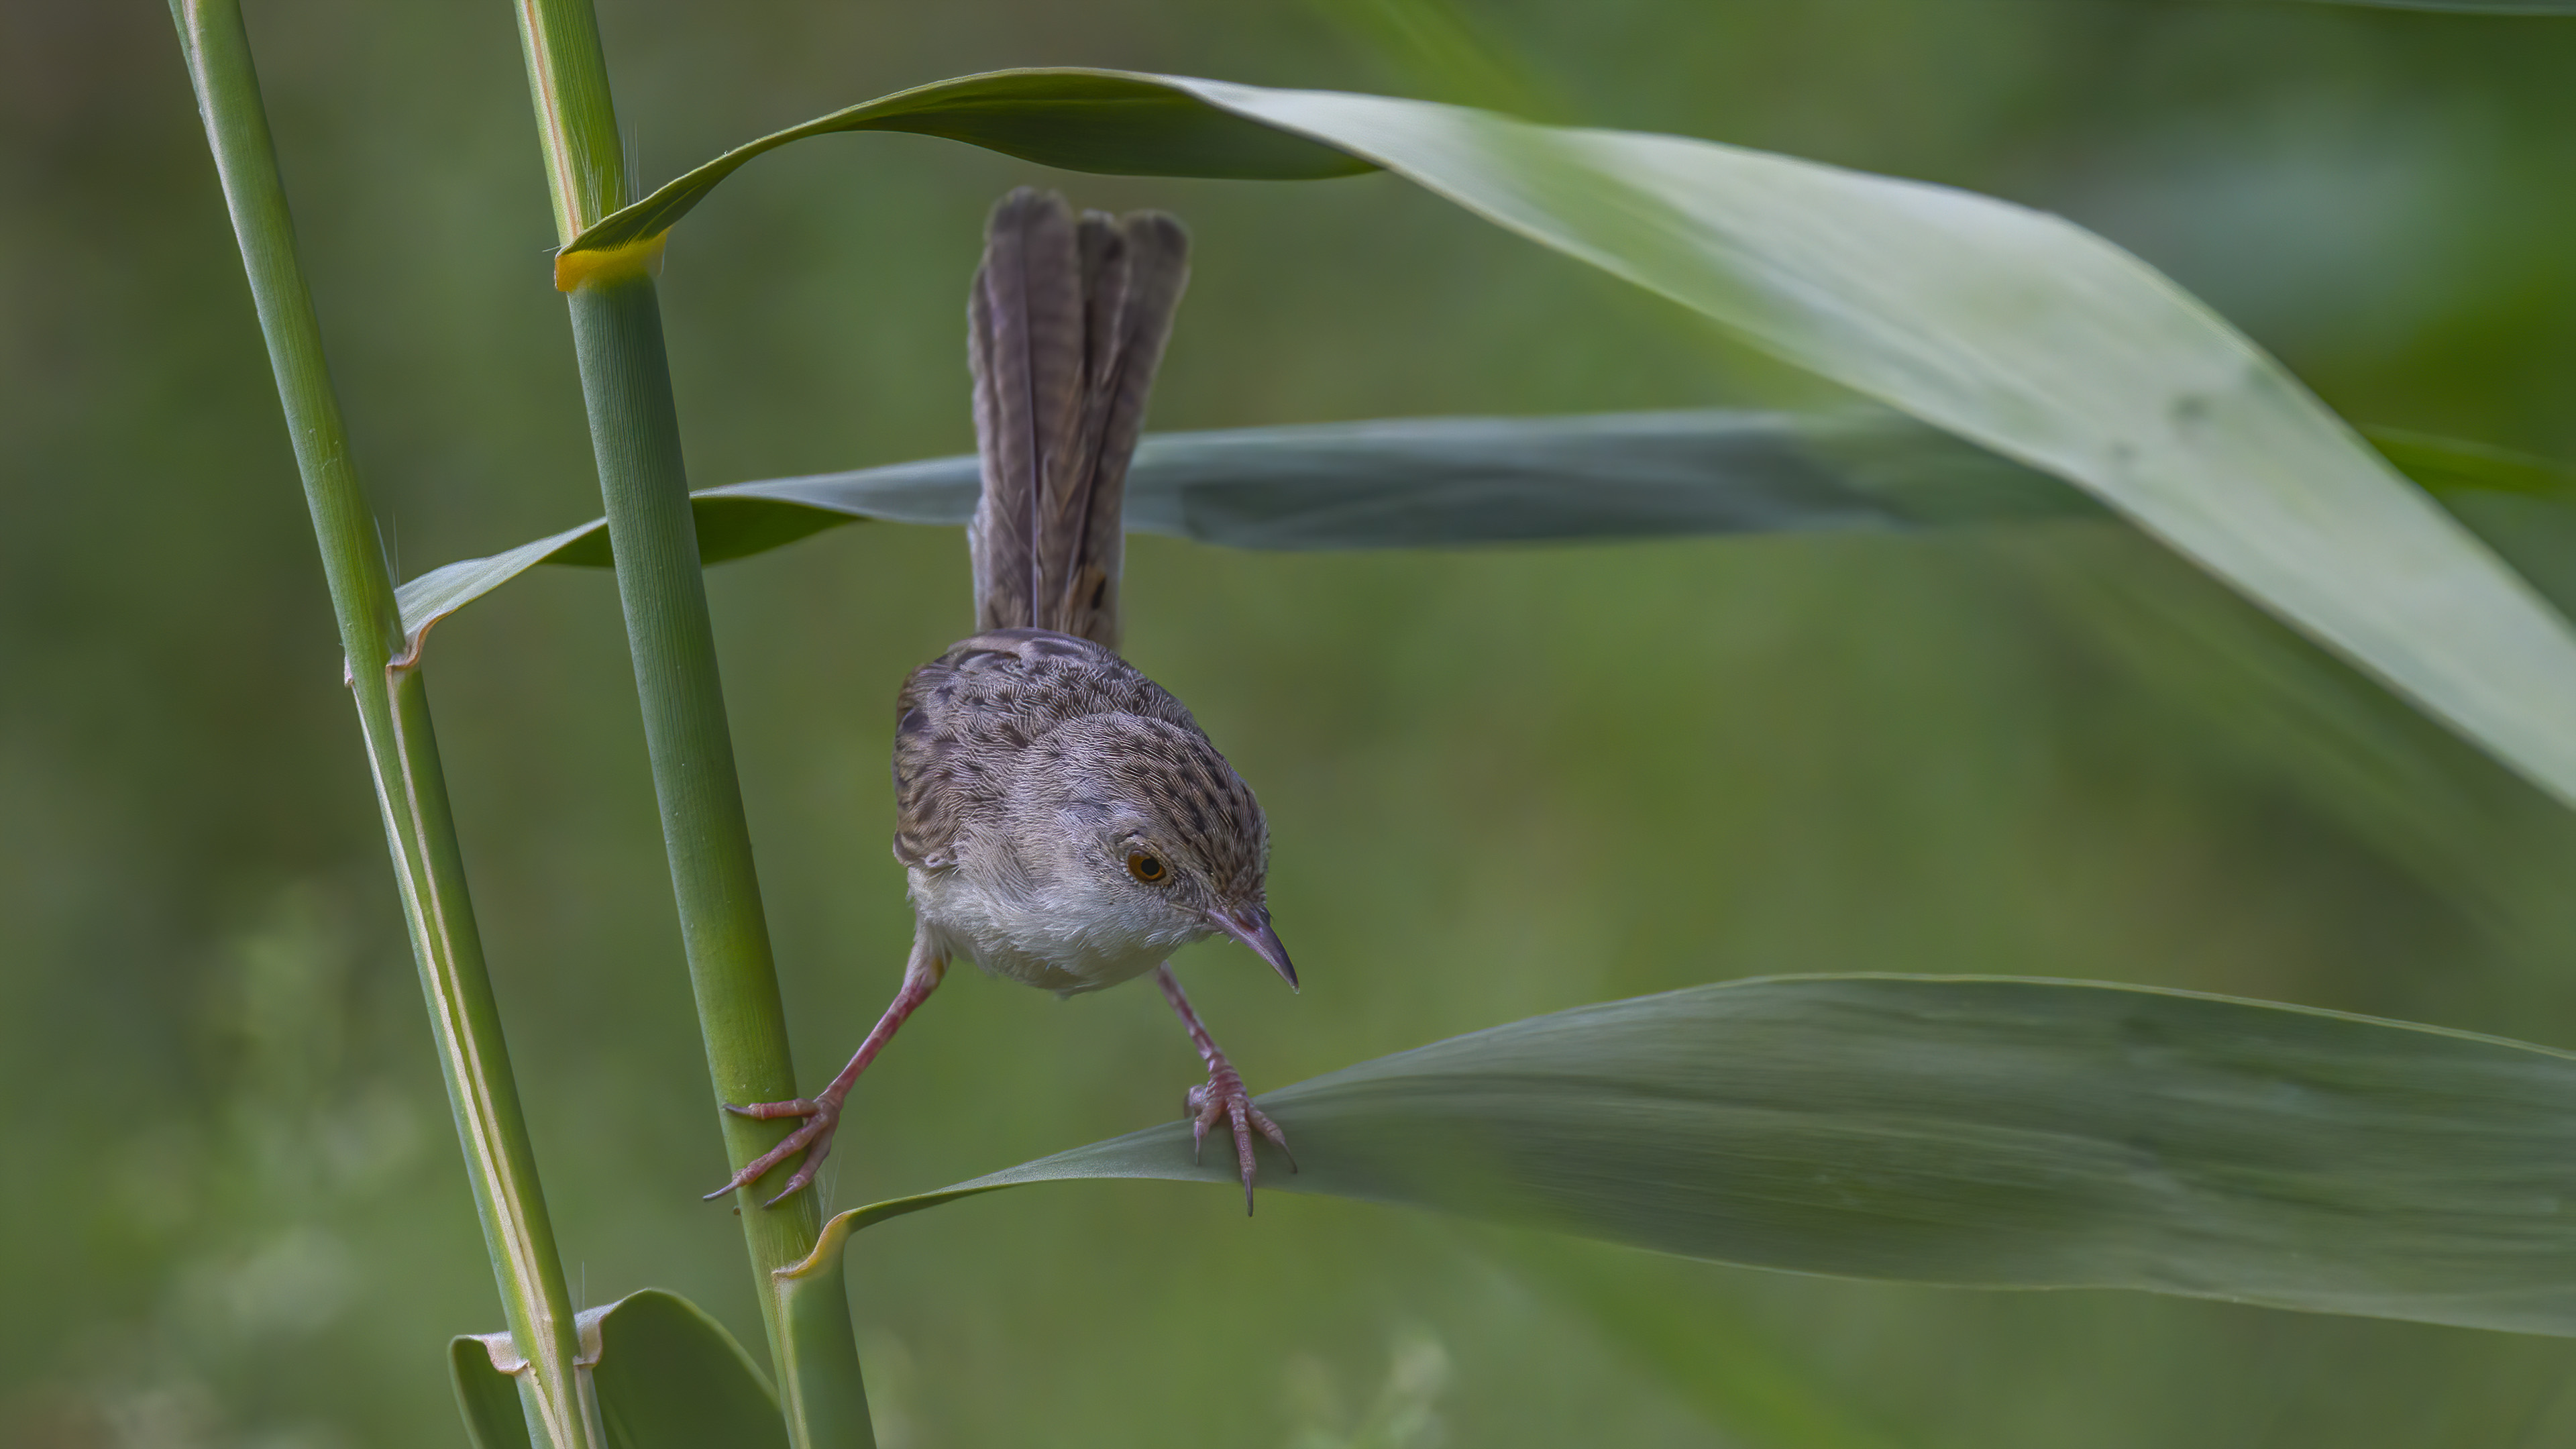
(617, 331)
(393, 713)
(635, 436)
(576, 118)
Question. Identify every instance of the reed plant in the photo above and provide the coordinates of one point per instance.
(1976, 1132)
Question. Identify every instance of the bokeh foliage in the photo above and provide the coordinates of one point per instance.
(1503, 783)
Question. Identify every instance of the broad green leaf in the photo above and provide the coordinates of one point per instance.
(662, 1374)
(1970, 1131)
(670, 1377)
(487, 1397)
(2009, 327)
(1405, 483)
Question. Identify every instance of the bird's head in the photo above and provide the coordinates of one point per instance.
(1163, 834)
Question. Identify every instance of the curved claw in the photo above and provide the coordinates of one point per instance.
(1190, 1105)
(814, 1139)
(1223, 1096)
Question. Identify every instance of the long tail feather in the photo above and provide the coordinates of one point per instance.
(1066, 327)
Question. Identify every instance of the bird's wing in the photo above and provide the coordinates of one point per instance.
(965, 720)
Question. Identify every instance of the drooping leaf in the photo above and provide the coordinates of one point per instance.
(450, 587)
(1970, 1131)
(1080, 120)
(1462, 482)
(1406, 483)
(663, 1375)
(2014, 329)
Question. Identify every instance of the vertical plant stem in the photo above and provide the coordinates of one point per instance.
(617, 331)
(576, 118)
(393, 713)
(635, 435)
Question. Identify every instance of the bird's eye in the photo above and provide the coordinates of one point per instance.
(1147, 868)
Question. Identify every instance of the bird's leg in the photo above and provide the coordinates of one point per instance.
(1222, 1095)
(823, 1111)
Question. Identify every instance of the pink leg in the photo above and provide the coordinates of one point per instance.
(1223, 1094)
(823, 1112)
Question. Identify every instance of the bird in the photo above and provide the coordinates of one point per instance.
(1062, 820)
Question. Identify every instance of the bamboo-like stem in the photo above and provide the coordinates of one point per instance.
(393, 713)
(617, 330)
(576, 118)
(635, 436)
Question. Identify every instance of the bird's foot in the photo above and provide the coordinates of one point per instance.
(1222, 1097)
(822, 1118)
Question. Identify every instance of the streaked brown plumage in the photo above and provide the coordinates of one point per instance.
(1063, 820)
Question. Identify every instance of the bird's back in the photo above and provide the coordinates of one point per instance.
(968, 722)
(1066, 326)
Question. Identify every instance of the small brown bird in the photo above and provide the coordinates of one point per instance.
(1064, 821)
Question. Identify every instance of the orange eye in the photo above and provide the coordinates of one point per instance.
(1147, 868)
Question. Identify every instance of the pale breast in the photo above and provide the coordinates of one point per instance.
(1024, 938)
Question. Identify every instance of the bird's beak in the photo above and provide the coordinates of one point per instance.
(1251, 926)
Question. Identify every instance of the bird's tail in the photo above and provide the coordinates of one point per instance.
(1064, 330)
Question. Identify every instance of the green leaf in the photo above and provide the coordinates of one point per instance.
(487, 1397)
(1080, 120)
(2011, 328)
(1462, 482)
(2455, 465)
(1405, 483)
(670, 1377)
(1969, 1131)
(812, 1315)
(662, 1374)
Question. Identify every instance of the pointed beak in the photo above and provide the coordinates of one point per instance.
(1251, 926)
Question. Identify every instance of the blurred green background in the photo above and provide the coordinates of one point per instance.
(1500, 783)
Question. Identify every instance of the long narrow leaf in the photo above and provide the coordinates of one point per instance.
(1463, 482)
(1977, 1132)
(1081, 120)
(1406, 483)
(2009, 327)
